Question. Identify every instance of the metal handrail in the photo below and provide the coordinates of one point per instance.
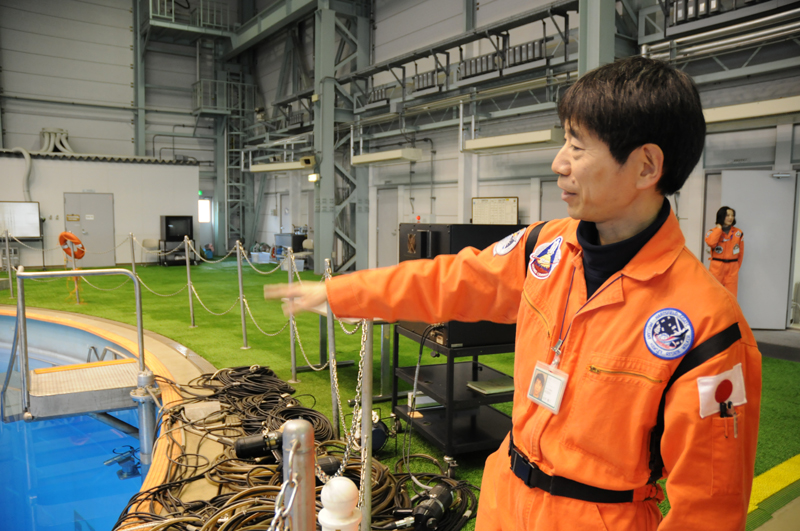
(12, 358)
(100, 357)
(22, 323)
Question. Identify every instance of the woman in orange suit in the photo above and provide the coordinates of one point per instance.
(726, 243)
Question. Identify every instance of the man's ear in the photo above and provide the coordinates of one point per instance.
(650, 165)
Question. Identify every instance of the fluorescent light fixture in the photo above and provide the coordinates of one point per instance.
(313, 177)
(756, 109)
(548, 138)
(382, 157)
(304, 162)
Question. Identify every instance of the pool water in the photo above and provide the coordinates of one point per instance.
(53, 476)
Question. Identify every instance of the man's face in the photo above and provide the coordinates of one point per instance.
(594, 185)
(537, 387)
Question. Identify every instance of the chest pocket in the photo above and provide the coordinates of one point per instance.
(616, 399)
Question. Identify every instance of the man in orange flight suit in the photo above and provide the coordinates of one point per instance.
(651, 368)
(726, 243)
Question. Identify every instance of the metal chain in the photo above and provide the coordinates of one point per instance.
(33, 248)
(159, 294)
(302, 350)
(282, 513)
(294, 267)
(325, 276)
(43, 280)
(247, 306)
(262, 272)
(200, 255)
(165, 253)
(110, 250)
(206, 307)
(350, 441)
(106, 289)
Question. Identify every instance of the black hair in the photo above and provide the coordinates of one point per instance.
(539, 378)
(637, 101)
(722, 213)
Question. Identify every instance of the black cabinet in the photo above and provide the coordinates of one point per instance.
(464, 421)
(170, 254)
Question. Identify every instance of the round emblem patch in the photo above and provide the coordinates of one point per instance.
(718, 249)
(668, 334)
(505, 245)
(545, 258)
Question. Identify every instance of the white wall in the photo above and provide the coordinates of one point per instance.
(142, 193)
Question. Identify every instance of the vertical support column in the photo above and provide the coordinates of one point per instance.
(332, 357)
(324, 139)
(189, 280)
(287, 259)
(361, 173)
(133, 254)
(22, 336)
(239, 252)
(467, 174)
(470, 15)
(220, 200)
(366, 430)
(596, 33)
(8, 258)
(298, 465)
(139, 13)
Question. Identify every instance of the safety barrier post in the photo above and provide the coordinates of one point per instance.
(239, 252)
(298, 465)
(189, 280)
(8, 264)
(74, 267)
(22, 337)
(332, 360)
(133, 255)
(292, 320)
(366, 431)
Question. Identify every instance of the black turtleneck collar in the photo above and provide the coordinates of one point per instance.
(602, 261)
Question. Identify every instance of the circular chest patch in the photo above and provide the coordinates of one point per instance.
(505, 245)
(545, 258)
(718, 249)
(668, 334)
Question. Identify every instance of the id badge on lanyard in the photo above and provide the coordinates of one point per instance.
(547, 386)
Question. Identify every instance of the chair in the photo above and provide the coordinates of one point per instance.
(148, 244)
(307, 254)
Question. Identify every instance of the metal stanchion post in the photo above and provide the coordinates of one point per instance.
(299, 465)
(74, 267)
(332, 357)
(133, 255)
(22, 336)
(366, 430)
(8, 264)
(189, 280)
(239, 252)
(293, 321)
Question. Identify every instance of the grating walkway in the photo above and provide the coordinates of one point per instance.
(80, 389)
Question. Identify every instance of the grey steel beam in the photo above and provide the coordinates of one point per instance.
(139, 47)
(270, 21)
(177, 27)
(596, 34)
(220, 199)
(470, 14)
(773, 66)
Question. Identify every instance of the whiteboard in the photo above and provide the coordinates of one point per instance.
(20, 219)
(495, 210)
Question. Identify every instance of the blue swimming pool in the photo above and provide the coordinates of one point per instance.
(53, 472)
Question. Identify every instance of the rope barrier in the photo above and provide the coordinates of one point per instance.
(206, 307)
(160, 253)
(86, 279)
(244, 253)
(110, 250)
(259, 328)
(200, 255)
(159, 294)
(34, 248)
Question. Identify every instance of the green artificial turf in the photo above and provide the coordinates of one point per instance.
(218, 338)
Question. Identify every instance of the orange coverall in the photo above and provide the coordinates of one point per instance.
(727, 251)
(600, 435)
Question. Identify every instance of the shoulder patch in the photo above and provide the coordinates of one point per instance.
(545, 258)
(669, 334)
(505, 245)
(739, 233)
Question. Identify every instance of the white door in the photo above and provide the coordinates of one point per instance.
(713, 203)
(387, 227)
(90, 217)
(552, 206)
(765, 212)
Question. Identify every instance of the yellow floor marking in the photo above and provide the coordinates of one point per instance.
(104, 363)
(773, 481)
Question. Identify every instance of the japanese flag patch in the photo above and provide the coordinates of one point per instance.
(724, 387)
(505, 245)
(669, 334)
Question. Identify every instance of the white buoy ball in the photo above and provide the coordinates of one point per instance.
(340, 496)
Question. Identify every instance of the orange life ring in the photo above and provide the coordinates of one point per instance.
(65, 237)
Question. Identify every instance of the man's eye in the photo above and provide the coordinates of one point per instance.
(576, 148)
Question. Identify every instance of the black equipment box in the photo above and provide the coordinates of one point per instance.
(428, 240)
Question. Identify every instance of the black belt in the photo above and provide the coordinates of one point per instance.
(725, 260)
(533, 476)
